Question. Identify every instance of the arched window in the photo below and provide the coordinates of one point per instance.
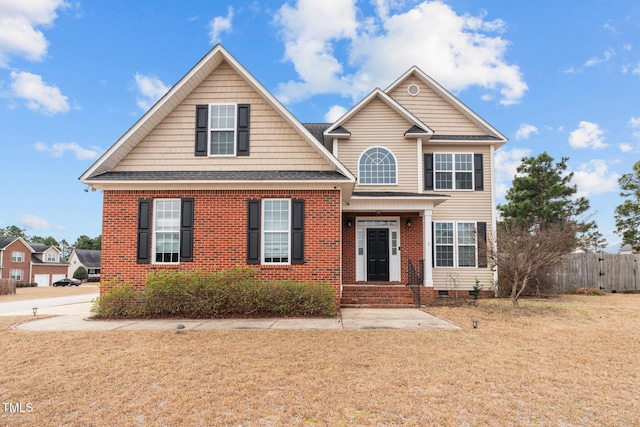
(377, 165)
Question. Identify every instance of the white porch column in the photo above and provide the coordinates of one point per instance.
(426, 247)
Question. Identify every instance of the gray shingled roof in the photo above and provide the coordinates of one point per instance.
(317, 129)
(219, 176)
(90, 258)
(383, 194)
(6, 241)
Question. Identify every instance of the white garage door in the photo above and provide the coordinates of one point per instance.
(56, 277)
(42, 279)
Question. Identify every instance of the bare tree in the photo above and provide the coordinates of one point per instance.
(523, 252)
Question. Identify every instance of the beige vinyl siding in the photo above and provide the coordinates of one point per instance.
(434, 111)
(274, 143)
(378, 125)
(465, 206)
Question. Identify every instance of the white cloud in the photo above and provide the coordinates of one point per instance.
(219, 25)
(595, 178)
(458, 51)
(634, 123)
(506, 165)
(625, 148)
(39, 96)
(526, 130)
(19, 33)
(587, 135)
(58, 150)
(608, 54)
(334, 113)
(151, 90)
(36, 223)
(636, 69)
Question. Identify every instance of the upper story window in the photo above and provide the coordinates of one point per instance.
(166, 231)
(453, 171)
(17, 256)
(222, 125)
(49, 257)
(377, 166)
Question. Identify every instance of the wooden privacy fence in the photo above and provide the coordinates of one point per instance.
(610, 272)
(7, 286)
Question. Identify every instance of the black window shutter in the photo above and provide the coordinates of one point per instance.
(481, 229)
(477, 172)
(243, 129)
(143, 253)
(202, 124)
(253, 232)
(428, 171)
(186, 229)
(297, 232)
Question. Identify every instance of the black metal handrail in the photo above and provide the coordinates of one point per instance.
(416, 278)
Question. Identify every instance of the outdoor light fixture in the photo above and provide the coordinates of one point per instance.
(409, 222)
(475, 323)
(179, 328)
(349, 223)
(35, 310)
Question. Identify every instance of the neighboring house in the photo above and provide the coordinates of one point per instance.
(87, 258)
(219, 173)
(30, 262)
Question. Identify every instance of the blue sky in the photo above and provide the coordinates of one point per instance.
(553, 76)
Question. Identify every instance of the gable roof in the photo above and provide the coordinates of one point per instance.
(416, 127)
(493, 134)
(41, 247)
(216, 56)
(89, 257)
(7, 240)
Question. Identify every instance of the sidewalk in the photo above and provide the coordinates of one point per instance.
(73, 318)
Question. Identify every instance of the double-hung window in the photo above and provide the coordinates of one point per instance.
(455, 244)
(453, 171)
(16, 274)
(51, 257)
(166, 231)
(17, 256)
(276, 230)
(222, 127)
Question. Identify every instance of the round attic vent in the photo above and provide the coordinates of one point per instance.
(413, 89)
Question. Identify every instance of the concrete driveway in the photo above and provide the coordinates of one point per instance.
(73, 317)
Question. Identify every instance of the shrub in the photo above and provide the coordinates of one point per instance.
(229, 293)
(26, 285)
(120, 301)
(81, 273)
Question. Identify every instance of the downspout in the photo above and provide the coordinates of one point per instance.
(494, 219)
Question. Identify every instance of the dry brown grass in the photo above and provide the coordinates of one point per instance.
(566, 361)
(49, 292)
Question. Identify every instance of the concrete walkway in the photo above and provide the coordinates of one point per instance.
(73, 318)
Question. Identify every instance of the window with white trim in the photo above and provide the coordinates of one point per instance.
(377, 166)
(49, 257)
(455, 244)
(222, 129)
(17, 256)
(16, 274)
(166, 231)
(276, 214)
(453, 171)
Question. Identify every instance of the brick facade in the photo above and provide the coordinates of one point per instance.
(24, 265)
(220, 235)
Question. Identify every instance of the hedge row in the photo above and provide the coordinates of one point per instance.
(229, 293)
